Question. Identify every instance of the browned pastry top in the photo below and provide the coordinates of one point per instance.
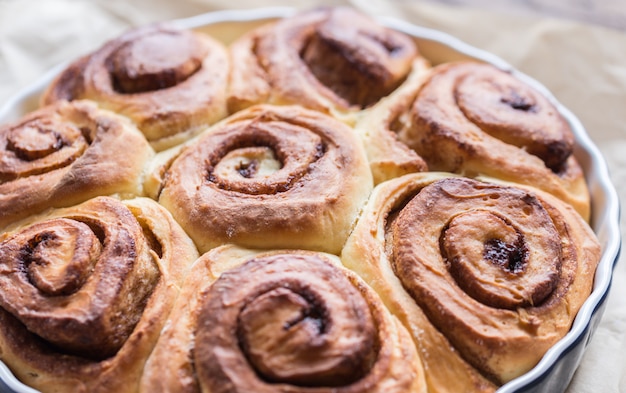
(270, 176)
(496, 268)
(85, 291)
(327, 59)
(280, 321)
(475, 119)
(296, 321)
(316, 330)
(156, 61)
(66, 153)
(486, 276)
(51, 260)
(457, 281)
(501, 106)
(168, 81)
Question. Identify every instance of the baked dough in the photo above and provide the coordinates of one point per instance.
(378, 127)
(63, 154)
(331, 59)
(300, 163)
(280, 321)
(270, 177)
(85, 291)
(486, 276)
(474, 119)
(170, 82)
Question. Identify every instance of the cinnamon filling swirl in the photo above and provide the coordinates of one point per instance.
(304, 324)
(69, 279)
(39, 145)
(270, 177)
(511, 111)
(155, 61)
(334, 60)
(359, 64)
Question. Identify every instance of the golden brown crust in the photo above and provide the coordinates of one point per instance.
(334, 60)
(280, 321)
(474, 279)
(100, 279)
(378, 126)
(486, 299)
(270, 177)
(472, 118)
(170, 82)
(66, 153)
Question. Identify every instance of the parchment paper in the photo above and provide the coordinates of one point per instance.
(584, 66)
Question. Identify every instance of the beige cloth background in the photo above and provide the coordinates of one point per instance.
(584, 66)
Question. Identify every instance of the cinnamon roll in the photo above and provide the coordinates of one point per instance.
(270, 177)
(66, 153)
(473, 119)
(388, 156)
(170, 82)
(335, 60)
(280, 321)
(85, 291)
(486, 276)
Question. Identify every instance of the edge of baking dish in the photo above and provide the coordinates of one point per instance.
(556, 369)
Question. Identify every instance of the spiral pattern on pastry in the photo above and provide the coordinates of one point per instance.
(270, 177)
(473, 118)
(334, 60)
(66, 153)
(487, 276)
(280, 321)
(170, 82)
(85, 290)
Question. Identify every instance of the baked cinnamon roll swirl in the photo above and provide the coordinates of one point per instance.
(270, 177)
(85, 290)
(335, 60)
(66, 153)
(487, 276)
(280, 321)
(471, 118)
(170, 82)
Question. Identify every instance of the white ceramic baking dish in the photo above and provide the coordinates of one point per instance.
(555, 370)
